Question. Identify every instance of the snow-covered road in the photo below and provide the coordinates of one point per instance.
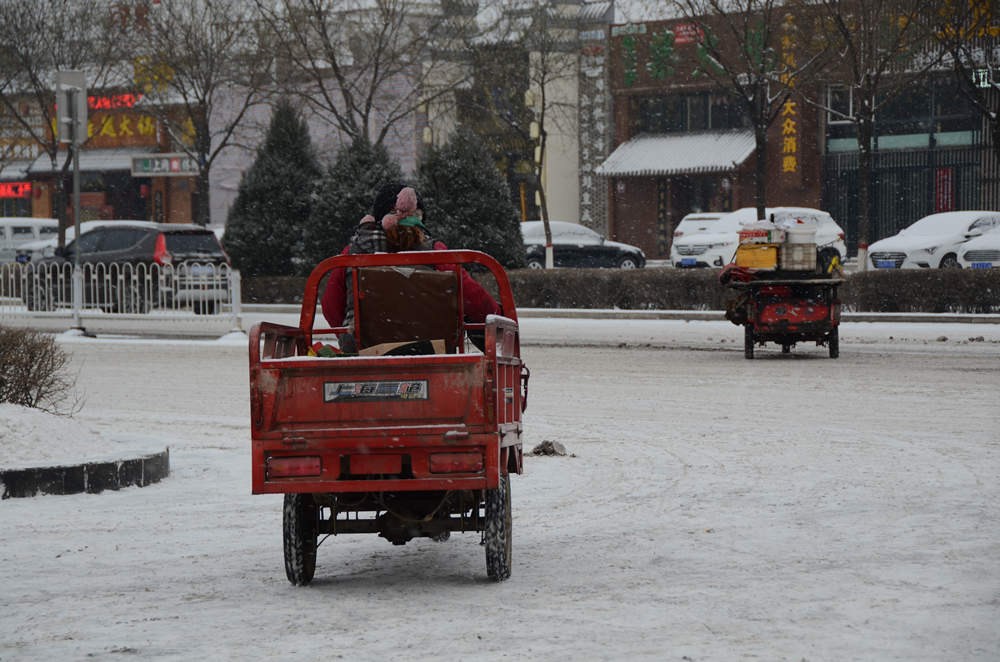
(791, 507)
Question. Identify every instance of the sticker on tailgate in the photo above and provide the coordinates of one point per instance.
(374, 391)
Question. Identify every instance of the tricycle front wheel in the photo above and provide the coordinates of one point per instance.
(300, 526)
(496, 536)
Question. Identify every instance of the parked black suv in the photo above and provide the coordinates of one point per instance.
(131, 266)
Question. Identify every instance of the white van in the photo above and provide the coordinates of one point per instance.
(15, 231)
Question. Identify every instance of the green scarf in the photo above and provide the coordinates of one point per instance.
(411, 221)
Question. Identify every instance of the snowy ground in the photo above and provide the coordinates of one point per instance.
(786, 508)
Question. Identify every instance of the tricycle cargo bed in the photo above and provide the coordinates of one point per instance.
(436, 419)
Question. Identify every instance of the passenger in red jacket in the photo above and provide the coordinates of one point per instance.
(401, 229)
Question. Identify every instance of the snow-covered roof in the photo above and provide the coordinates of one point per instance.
(597, 11)
(679, 153)
(94, 160)
(14, 171)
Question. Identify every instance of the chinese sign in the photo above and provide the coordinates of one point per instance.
(113, 101)
(164, 165)
(631, 73)
(788, 55)
(15, 190)
(622, 30)
(789, 123)
(688, 33)
(944, 189)
(120, 129)
(595, 134)
(662, 56)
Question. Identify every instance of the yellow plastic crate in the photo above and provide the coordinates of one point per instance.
(757, 256)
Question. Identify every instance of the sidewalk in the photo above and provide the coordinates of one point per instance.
(685, 315)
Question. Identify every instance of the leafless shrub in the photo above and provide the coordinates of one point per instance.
(33, 372)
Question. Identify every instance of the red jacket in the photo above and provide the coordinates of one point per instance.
(477, 302)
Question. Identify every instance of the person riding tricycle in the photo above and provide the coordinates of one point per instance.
(403, 418)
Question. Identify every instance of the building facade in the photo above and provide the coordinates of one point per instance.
(118, 133)
(682, 145)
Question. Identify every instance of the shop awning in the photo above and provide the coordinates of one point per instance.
(14, 171)
(108, 159)
(656, 155)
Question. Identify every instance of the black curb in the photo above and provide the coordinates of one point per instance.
(91, 477)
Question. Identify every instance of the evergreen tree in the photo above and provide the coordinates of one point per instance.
(346, 193)
(275, 197)
(468, 202)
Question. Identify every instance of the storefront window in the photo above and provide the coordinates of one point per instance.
(924, 114)
(839, 100)
(15, 207)
(676, 113)
(697, 115)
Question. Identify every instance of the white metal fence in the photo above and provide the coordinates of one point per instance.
(184, 291)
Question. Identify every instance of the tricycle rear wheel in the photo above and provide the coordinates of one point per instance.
(834, 343)
(300, 524)
(748, 342)
(496, 535)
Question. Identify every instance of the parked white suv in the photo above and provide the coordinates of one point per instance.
(717, 246)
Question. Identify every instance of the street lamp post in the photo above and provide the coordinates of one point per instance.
(71, 103)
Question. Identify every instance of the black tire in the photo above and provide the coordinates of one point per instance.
(39, 297)
(498, 529)
(204, 307)
(300, 523)
(834, 342)
(628, 262)
(132, 300)
(748, 342)
(535, 263)
(950, 261)
(786, 349)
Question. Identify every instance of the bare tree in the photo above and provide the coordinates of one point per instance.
(968, 31)
(37, 39)
(201, 65)
(878, 49)
(750, 49)
(521, 64)
(366, 65)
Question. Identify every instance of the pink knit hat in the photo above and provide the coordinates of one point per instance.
(406, 204)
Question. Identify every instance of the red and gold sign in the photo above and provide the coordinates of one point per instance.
(123, 128)
(112, 101)
(789, 137)
(15, 189)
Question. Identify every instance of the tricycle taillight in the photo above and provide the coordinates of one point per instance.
(160, 254)
(293, 467)
(456, 463)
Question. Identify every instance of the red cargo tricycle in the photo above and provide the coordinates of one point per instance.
(785, 307)
(414, 436)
